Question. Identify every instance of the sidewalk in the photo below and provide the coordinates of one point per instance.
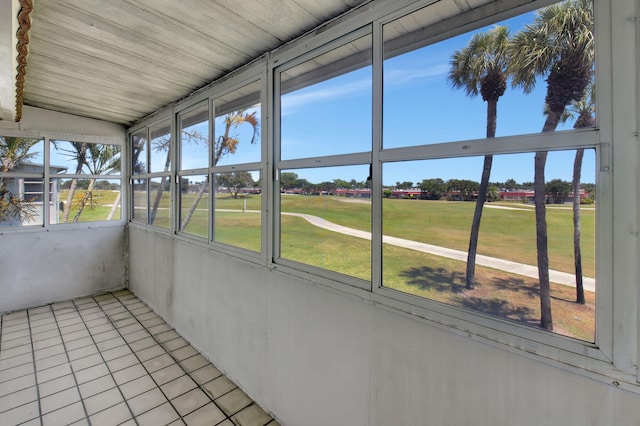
(490, 262)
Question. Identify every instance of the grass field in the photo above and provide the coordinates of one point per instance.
(98, 207)
(507, 234)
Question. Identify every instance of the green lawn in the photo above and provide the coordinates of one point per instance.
(508, 234)
(97, 208)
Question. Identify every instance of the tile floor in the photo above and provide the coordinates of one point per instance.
(109, 360)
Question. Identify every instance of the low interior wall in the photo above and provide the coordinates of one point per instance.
(314, 356)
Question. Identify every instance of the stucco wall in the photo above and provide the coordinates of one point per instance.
(39, 266)
(42, 267)
(313, 356)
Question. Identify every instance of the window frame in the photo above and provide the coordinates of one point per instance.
(615, 351)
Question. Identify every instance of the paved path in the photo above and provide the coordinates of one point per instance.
(491, 262)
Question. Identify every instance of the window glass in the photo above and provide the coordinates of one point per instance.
(326, 103)
(428, 207)
(21, 201)
(86, 200)
(194, 204)
(160, 201)
(69, 157)
(139, 200)
(21, 197)
(238, 202)
(139, 152)
(237, 126)
(194, 138)
(325, 218)
(449, 90)
(160, 154)
(18, 154)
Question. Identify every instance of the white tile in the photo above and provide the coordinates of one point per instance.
(82, 352)
(218, 387)
(137, 387)
(158, 362)
(86, 362)
(161, 415)
(18, 398)
(15, 351)
(190, 401)
(150, 352)
(253, 416)
(205, 374)
(56, 385)
(58, 400)
(64, 416)
(103, 400)
(17, 384)
(142, 344)
(20, 414)
(178, 387)
(205, 416)
(184, 353)
(91, 373)
(116, 352)
(233, 402)
(167, 374)
(14, 372)
(15, 361)
(193, 363)
(115, 415)
(96, 386)
(122, 362)
(53, 373)
(146, 401)
(52, 361)
(127, 374)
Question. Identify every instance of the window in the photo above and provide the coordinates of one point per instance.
(86, 177)
(459, 227)
(21, 181)
(325, 150)
(417, 158)
(237, 218)
(193, 177)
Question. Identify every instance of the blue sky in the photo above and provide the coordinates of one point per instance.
(420, 107)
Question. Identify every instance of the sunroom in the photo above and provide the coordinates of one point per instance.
(305, 213)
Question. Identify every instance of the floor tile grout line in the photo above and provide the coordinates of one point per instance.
(104, 361)
(73, 373)
(35, 370)
(198, 386)
(140, 361)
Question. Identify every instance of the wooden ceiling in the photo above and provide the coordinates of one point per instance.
(120, 60)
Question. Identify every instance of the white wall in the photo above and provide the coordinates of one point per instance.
(38, 266)
(316, 357)
(43, 267)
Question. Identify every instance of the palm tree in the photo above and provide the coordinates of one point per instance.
(482, 67)
(78, 153)
(583, 110)
(224, 144)
(558, 45)
(102, 159)
(13, 151)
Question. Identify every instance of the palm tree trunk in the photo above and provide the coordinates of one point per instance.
(156, 202)
(67, 203)
(482, 197)
(550, 124)
(192, 209)
(577, 230)
(114, 207)
(546, 320)
(84, 200)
